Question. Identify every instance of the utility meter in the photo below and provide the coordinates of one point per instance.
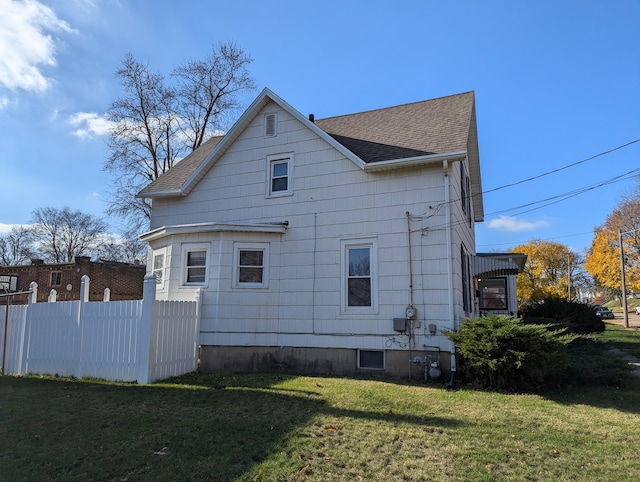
(411, 312)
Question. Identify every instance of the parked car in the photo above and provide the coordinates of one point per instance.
(604, 312)
(638, 310)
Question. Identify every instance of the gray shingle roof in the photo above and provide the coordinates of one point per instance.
(433, 126)
(175, 177)
(436, 126)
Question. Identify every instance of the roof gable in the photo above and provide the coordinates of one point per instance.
(200, 161)
(388, 138)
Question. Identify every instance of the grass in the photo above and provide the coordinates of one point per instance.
(277, 427)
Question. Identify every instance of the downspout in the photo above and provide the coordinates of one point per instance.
(448, 227)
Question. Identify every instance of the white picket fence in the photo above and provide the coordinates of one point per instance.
(143, 340)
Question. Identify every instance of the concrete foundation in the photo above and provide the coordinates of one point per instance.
(317, 361)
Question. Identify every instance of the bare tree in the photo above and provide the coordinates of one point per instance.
(208, 91)
(59, 235)
(126, 248)
(15, 246)
(155, 123)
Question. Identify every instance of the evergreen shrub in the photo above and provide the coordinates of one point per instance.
(575, 317)
(502, 352)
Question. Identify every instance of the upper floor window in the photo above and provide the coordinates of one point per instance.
(359, 276)
(251, 265)
(465, 192)
(56, 278)
(279, 175)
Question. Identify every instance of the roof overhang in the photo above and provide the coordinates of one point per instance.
(414, 161)
(490, 267)
(164, 231)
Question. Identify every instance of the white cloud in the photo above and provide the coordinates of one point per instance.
(26, 43)
(5, 228)
(4, 102)
(512, 224)
(88, 123)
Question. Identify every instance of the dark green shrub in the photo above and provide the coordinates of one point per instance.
(503, 352)
(575, 317)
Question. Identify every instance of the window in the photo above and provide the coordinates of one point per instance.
(158, 267)
(279, 175)
(371, 359)
(359, 277)
(270, 125)
(56, 278)
(466, 284)
(195, 265)
(493, 294)
(465, 192)
(251, 268)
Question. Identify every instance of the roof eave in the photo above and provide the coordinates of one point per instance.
(164, 231)
(414, 161)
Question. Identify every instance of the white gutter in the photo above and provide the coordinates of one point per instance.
(414, 161)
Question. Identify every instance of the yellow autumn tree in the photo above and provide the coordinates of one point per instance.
(602, 261)
(549, 270)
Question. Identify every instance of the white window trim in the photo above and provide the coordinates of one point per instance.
(345, 245)
(271, 159)
(159, 252)
(237, 247)
(186, 248)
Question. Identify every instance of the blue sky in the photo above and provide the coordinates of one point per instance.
(556, 83)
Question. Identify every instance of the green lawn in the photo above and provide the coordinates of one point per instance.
(292, 428)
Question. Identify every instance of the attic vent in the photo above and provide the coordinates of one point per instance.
(270, 125)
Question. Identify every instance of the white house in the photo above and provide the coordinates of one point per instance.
(343, 245)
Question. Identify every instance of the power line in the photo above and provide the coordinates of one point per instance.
(563, 167)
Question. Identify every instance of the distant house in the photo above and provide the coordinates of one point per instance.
(343, 245)
(124, 281)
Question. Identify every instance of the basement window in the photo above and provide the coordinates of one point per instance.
(371, 359)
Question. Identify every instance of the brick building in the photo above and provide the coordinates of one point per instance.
(124, 280)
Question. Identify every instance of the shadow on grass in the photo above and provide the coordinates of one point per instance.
(197, 427)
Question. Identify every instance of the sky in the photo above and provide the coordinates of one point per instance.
(557, 87)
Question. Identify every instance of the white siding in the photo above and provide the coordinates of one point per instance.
(333, 200)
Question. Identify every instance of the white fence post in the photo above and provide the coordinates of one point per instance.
(144, 331)
(85, 282)
(33, 296)
(26, 328)
(53, 296)
(107, 295)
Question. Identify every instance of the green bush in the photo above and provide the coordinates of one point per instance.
(503, 352)
(575, 317)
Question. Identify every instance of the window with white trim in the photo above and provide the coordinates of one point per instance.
(194, 262)
(158, 267)
(279, 175)
(251, 263)
(359, 276)
(493, 294)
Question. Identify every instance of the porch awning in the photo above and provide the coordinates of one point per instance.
(487, 267)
